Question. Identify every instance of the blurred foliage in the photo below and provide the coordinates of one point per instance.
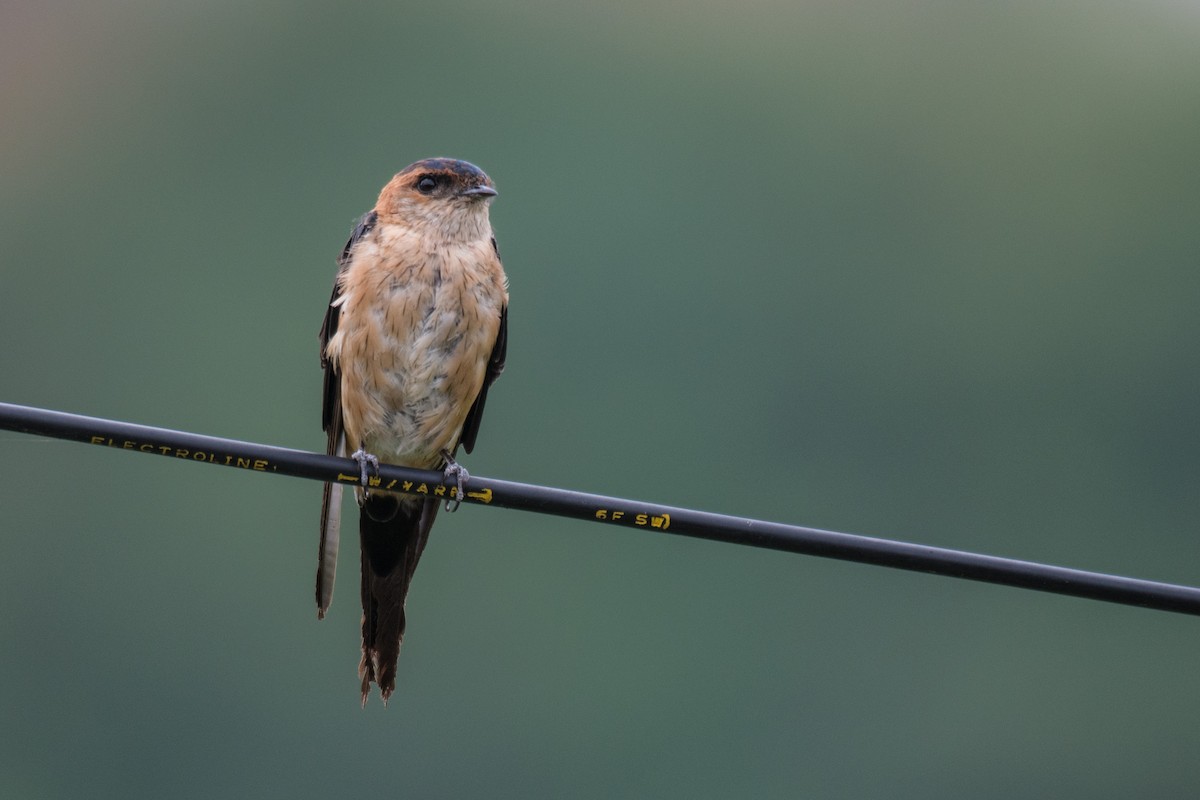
(919, 270)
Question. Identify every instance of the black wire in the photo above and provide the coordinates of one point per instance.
(609, 510)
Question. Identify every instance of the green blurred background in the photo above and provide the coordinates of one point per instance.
(921, 270)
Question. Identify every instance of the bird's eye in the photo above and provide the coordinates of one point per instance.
(427, 184)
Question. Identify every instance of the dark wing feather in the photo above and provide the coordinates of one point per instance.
(331, 422)
(494, 368)
(329, 327)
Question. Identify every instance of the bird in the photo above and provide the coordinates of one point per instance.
(415, 333)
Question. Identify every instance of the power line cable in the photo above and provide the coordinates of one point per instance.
(608, 510)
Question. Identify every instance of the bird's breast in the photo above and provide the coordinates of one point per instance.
(416, 328)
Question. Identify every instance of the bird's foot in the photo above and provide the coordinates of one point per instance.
(460, 475)
(364, 459)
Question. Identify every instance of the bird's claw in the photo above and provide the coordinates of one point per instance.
(364, 458)
(460, 475)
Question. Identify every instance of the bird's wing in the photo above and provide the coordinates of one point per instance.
(331, 421)
(494, 367)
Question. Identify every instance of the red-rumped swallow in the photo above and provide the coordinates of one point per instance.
(414, 335)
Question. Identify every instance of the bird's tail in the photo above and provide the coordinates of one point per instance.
(393, 531)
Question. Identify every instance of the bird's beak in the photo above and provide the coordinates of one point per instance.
(478, 191)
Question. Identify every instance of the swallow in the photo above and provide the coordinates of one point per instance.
(415, 332)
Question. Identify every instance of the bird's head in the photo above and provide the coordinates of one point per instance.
(447, 196)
